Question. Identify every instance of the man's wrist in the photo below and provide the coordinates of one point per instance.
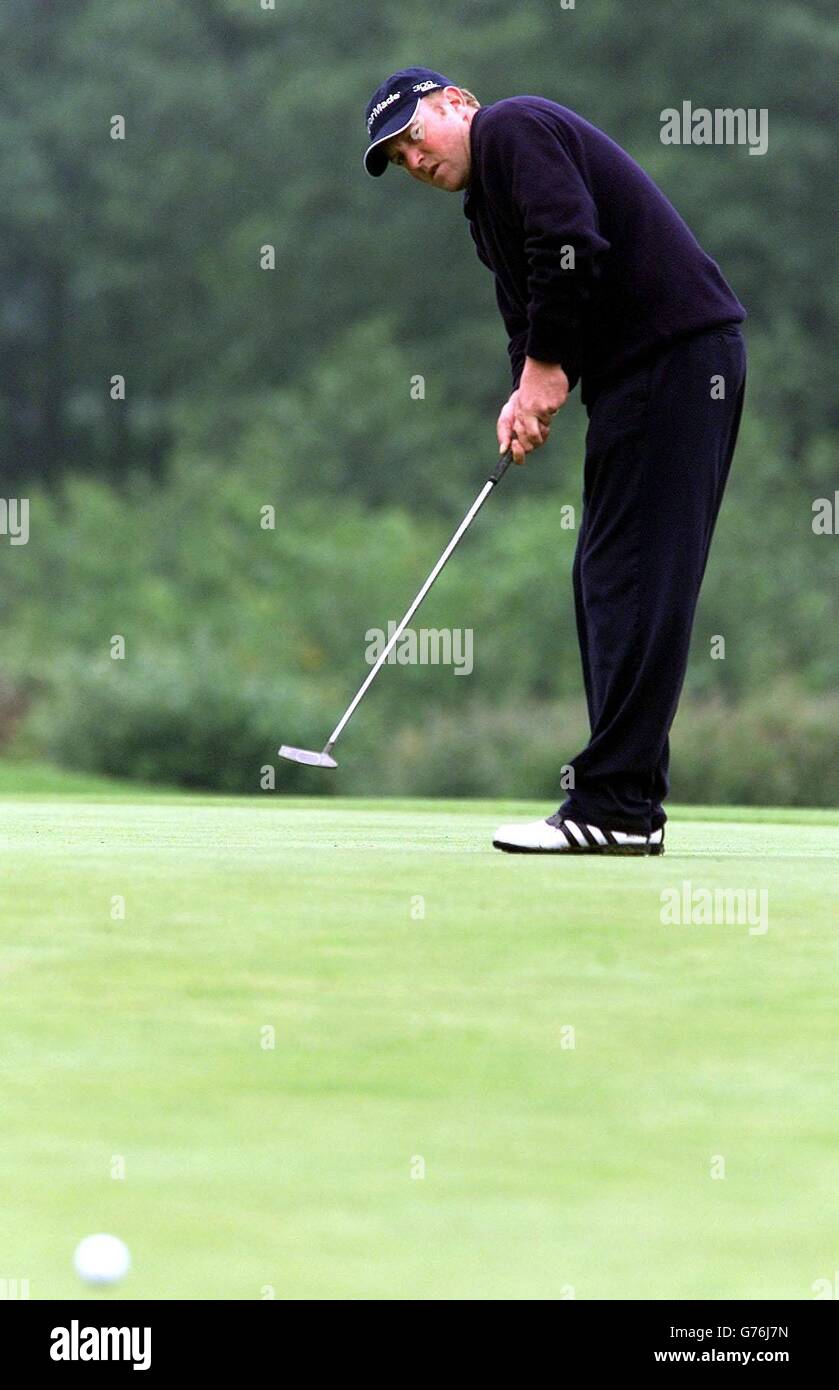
(542, 365)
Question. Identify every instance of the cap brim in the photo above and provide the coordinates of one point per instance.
(375, 159)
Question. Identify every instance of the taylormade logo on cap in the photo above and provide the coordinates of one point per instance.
(377, 110)
(380, 106)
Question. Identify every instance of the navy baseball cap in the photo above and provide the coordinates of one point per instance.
(391, 110)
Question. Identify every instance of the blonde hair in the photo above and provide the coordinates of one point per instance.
(435, 97)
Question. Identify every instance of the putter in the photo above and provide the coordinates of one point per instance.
(325, 758)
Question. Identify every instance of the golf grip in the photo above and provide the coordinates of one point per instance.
(501, 467)
(495, 477)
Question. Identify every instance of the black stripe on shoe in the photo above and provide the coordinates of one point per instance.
(585, 838)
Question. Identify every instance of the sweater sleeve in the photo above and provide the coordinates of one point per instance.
(529, 173)
(517, 330)
(514, 321)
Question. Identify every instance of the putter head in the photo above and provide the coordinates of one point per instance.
(304, 755)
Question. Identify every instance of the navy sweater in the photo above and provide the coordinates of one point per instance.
(544, 180)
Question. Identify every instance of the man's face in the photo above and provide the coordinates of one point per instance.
(435, 148)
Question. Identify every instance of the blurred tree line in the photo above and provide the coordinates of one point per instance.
(291, 387)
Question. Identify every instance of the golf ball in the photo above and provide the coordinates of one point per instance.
(101, 1259)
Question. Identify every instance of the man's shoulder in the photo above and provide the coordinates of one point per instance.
(526, 123)
(524, 110)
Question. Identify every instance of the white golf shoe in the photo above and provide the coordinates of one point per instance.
(557, 835)
(657, 841)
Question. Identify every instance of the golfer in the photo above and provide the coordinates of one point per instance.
(599, 282)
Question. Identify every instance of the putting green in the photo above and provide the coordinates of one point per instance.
(421, 989)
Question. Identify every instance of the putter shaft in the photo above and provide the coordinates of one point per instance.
(496, 476)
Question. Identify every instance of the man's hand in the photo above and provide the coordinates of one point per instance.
(525, 420)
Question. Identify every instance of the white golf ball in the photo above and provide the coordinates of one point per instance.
(101, 1259)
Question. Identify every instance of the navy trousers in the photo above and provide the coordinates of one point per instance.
(658, 450)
